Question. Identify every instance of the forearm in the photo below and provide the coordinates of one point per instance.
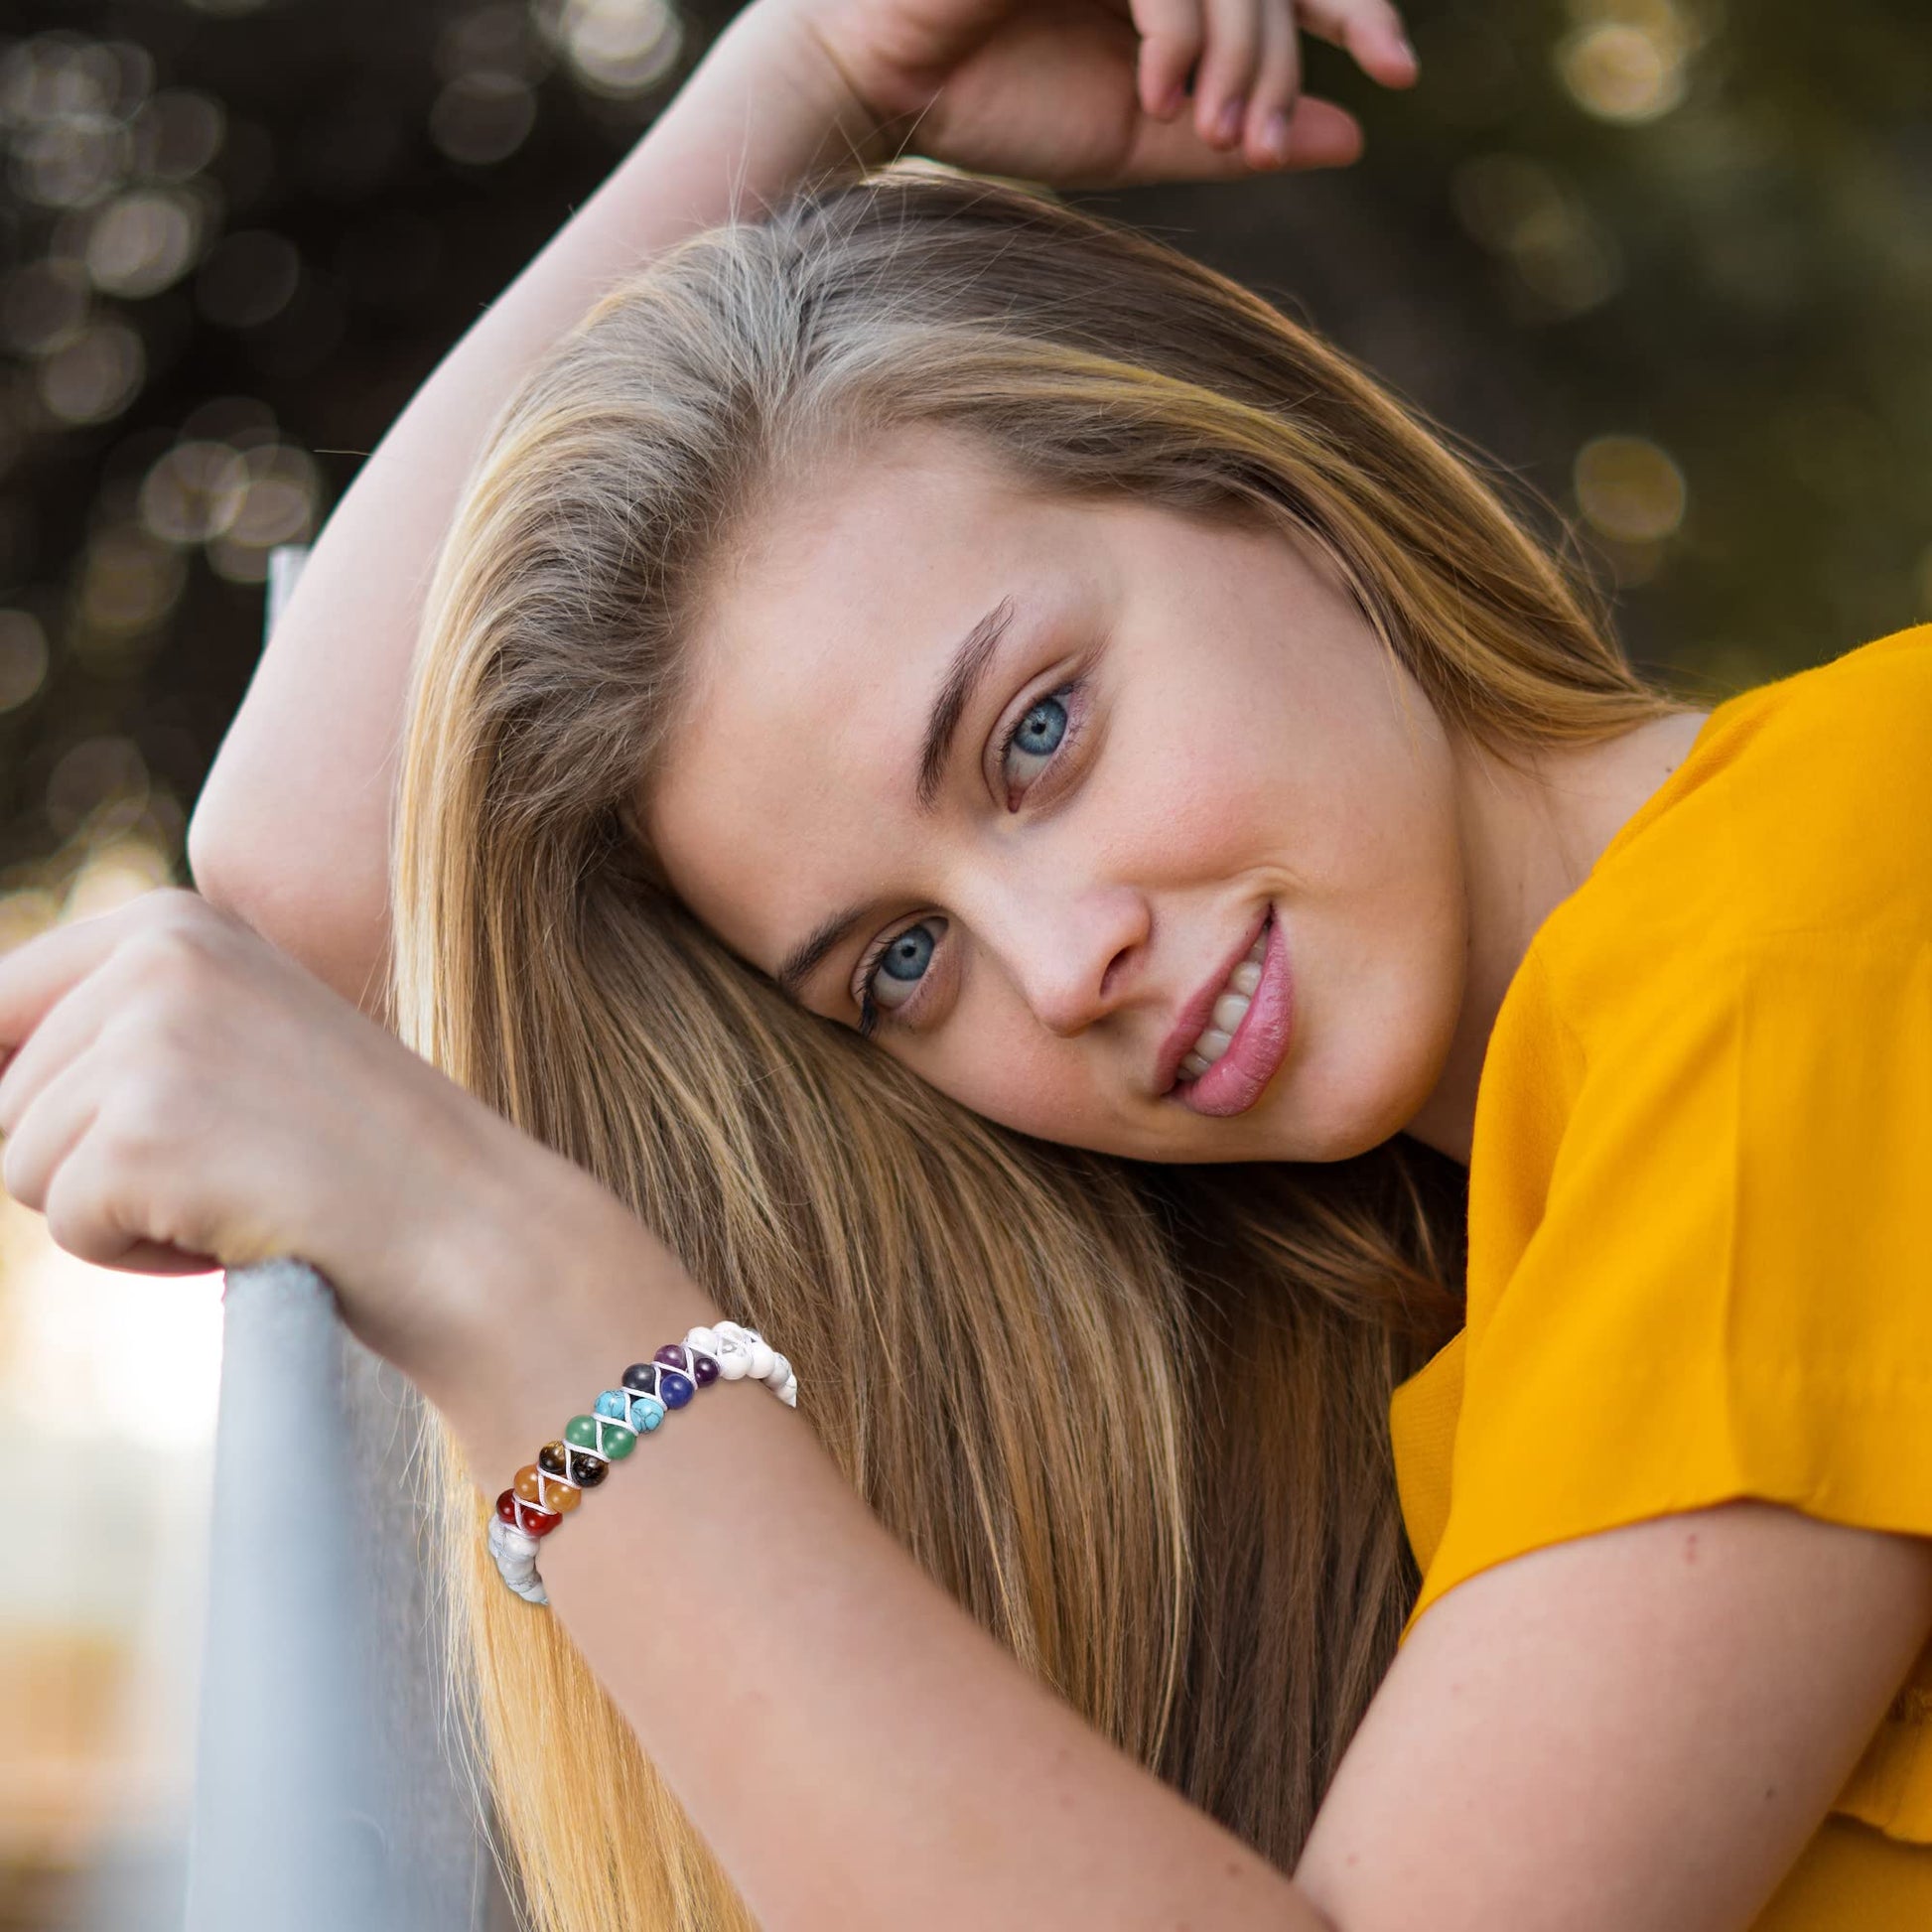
(855, 1750)
(292, 828)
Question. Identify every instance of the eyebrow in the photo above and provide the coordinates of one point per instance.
(970, 659)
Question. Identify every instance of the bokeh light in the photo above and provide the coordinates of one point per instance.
(1532, 216)
(101, 783)
(144, 242)
(481, 118)
(22, 658)
(615, 48)
(1629, 59)
(194, 493)
(95, 375)
(1629, 490)
(176, 134)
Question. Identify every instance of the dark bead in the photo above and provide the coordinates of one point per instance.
(539, 1522)
(673, 1355)
(673, 1389)
(704, 1367)
(588, 1470)
(642, 1376)
(551, 1457)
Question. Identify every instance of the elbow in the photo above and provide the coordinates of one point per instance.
(332, 922)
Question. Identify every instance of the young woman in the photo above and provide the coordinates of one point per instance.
(979, 799)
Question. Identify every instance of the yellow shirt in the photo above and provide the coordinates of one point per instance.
(1700, 1183)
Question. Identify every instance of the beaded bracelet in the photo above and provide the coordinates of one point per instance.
(545, 1491)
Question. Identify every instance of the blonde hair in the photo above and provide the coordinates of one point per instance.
(1133, 1416)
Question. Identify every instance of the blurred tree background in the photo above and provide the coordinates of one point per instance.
(1668, 263)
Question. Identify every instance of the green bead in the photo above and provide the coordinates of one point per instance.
(582, 1432)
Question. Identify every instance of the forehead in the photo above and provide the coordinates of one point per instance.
(789, 779)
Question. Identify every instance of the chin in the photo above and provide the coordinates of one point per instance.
(1336, 1106)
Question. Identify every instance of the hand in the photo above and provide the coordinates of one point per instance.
(1091, 92)
(178, 1095)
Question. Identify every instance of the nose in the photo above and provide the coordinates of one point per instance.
(1072, 951)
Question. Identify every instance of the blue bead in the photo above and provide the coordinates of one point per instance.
(677, 1389)
(646, 1411)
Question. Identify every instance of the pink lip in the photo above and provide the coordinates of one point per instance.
(1234, 1082)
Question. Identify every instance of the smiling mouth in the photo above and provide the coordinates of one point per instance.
(1231, 1009)
(1246, 1036)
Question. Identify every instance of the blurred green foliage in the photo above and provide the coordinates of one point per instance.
(1669, 263)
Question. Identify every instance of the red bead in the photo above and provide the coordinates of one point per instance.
(525, 1516)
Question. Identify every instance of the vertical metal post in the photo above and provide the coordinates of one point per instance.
(325, 1795)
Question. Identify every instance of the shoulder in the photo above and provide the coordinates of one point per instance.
(1802, 817)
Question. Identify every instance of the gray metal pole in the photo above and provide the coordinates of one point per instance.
(327, 1798)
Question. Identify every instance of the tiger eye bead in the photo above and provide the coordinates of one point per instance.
(522, 1515)
(552, 1459)
(588, 1470)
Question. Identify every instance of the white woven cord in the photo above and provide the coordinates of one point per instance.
(742, 1354)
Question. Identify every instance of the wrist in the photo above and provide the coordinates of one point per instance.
(807, 112)
(560, 1290)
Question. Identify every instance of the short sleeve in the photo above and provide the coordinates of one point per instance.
(1729, 1293)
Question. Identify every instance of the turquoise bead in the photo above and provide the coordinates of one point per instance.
(616, 1403)
(646, 1411)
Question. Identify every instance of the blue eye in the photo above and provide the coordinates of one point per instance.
(897, 972)
(1036, 735)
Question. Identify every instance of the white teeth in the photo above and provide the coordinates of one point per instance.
(1229, 1011)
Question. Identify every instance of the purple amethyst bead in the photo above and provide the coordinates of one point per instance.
(703, 1368)
(673, 1356)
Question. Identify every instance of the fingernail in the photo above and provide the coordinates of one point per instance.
(1274, 136)
(1228, 125)
(1407, 51)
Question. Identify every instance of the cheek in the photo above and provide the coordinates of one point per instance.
(1000, 1065)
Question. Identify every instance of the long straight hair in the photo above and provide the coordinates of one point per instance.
(1133, 1416)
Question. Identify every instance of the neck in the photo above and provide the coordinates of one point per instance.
(1529, 835)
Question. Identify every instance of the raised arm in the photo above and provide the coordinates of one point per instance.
(291, 831)
(292, 828)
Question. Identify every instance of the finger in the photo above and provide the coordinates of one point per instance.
(48, 1134)
(80, 1216)
(1320, 135)
(1171, 43)
(1277, 76)
(1226, 70)
(1371, 31)
(64, 1033)
(40, 970)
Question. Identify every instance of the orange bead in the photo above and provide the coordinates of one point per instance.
(536, 1486)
